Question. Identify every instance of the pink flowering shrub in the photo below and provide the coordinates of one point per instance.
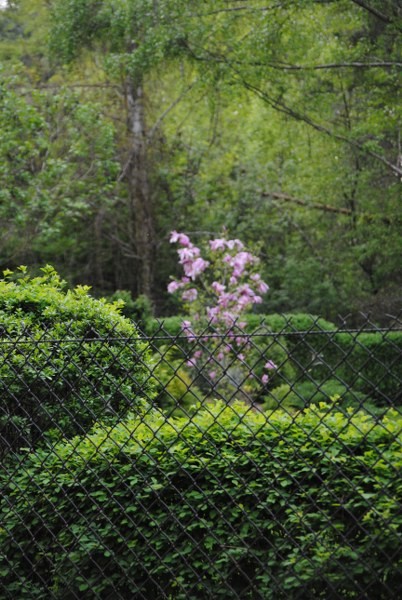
(218, 286)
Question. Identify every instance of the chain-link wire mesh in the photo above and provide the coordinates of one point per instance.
(255, 464)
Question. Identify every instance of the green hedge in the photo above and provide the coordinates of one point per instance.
(371, 363)
(309, 348)
(305, 393)
(66, 359)
(228, 504)
(277, 323)
(235, 381)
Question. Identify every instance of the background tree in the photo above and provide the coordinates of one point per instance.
(280, 122)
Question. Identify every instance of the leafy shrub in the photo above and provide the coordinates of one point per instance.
(302, 394)
(66, 359)
(227, 504)
(176, 392)
(367, 362)
(138, 310)
(258, 347)
(371, 363)
(277, 323)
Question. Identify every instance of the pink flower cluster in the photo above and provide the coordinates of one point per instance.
(270, 365)
(220, 289)
(222, 301)
(190, 259)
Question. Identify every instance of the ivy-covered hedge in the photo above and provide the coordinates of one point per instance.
(66, 359)
(228, 504)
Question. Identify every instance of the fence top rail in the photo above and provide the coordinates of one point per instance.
(191, 337)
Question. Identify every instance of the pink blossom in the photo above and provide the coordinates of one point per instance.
(218, 287)
(212, 374)
(191, 362)
(246, 296)
(225, 299)
(194, 268)
(229, 319)
(190, 295)
(181, 238)
(263, 287)
(238, 271)
(270, 365)
(173, 287)
(265, 379)
(188, 254)
(212, 313)
(186, 326)
(239, 262)
(218, 244)
(244, 258)
(235, 243)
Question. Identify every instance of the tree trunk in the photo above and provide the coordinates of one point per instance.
(143, 236)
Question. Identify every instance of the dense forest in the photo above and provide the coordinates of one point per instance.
(278, 121)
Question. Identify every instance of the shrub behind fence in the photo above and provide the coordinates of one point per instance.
(283, 483)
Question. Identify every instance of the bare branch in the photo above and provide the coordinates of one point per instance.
(281, 66)
(351, 65)
(373, 11)
(43, 86)
(278, 105)
(170, 108)
(319, 206)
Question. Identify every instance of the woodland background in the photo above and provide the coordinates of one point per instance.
(279, 120)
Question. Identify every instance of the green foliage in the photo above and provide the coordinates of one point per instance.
(229, 503)
(177, 393)
(278, 323)
(371, 364)
(134, 36)
(138, 310)
(278, 121)
(57, 159)
(368, 364)
(67, 359)
(300, 395)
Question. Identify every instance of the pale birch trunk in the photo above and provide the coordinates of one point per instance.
(139, 189)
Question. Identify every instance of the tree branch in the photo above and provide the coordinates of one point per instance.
(280, 66)
(373, 11)
(169, 108)
(352, 65)
(319, 206)
(277, 104)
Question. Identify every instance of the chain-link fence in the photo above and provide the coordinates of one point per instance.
(260, 463)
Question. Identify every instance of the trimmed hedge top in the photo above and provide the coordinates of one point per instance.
(231, 503)
(42, 303)
(67, 359)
